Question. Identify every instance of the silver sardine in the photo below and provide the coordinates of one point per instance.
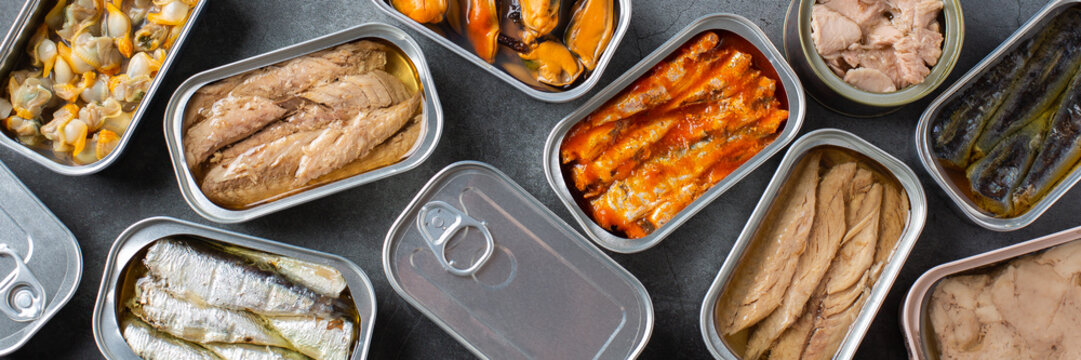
(322, 339)
(226, 281)
(153, 345)
(198, 323)
(254, 352)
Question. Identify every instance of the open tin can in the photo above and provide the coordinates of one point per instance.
(834, 93)
(917, 214)
(939, 173)
(915, 312)
(444, 35)
(734, 24)
(507, 278)
(40, 261)
(11, 51)
(131, 243)
(432, 122)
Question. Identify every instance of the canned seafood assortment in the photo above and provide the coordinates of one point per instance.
(489, 263)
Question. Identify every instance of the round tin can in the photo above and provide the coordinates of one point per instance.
(834, 93)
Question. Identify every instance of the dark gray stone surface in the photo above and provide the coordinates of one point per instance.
(489, 121)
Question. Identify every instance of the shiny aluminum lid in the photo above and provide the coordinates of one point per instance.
(40, 263)
(502, 274)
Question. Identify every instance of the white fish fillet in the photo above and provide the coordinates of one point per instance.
(253, 352)
(322, 339)
(224, 281)
(153, 345)
(198, 323)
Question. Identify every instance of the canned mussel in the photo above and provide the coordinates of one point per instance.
(553, 50)
(79, 74)
(1018, 302)
(674, 132)
(1004, 142)
(818, 255)
(302, 122)
(178, 290)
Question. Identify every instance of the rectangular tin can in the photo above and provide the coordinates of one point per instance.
(622, 23)
(174, 119)
(32, 14)
(141, 234)
(726, 22)
(915, 319)
(916, 217)
(534, 289)
(923, 131)
(43, 263)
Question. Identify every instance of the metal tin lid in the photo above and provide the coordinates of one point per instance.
(40, 263)
(501, 273)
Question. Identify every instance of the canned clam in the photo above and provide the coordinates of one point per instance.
(841, 215)
(296, 301)
(247, 185)
(12, 54)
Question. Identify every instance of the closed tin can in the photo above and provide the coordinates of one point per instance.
(917, 214)
(429, 137)
(735, 24)
(32, 14)
(915, 318)
(457, 44)
(40, 263)
(834, 93)
(137, 237)
(507, 278)
(938, 172)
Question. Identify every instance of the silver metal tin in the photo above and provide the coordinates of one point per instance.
(11, 51)
(915, 320)
(174, 119)
(40, 259)
(547, 292)
(923, 132)
(916, 217)
(622, 23)
(726, 22)
(143, 233)
(834, 93)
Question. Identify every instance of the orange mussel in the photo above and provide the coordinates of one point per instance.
(590, 29)
(423, 11)
(693, 119)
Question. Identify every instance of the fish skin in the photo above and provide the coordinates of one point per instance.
(1059, 153)
(323, 279)
(959, 124)
(198, 323)
(995, 177)
(150, 344)
(825, 240)
(1046, 75)
(319, 338)
(784, 240)
(253, 352)
(222, 280)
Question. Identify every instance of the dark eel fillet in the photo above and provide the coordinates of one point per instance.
(994, 177)
(1046, 75)
(957, 126)
(1060, 153)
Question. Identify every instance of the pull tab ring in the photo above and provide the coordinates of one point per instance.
(438, 221)
(23, 296)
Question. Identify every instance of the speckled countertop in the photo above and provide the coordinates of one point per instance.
(487, 120)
